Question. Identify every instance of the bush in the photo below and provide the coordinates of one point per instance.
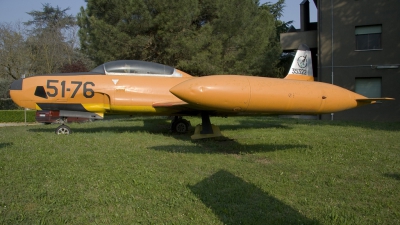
(8, 104)
(4, 87)
(11, 116)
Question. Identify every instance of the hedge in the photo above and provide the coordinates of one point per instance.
(15, 116)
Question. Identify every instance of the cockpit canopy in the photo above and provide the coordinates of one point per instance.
(136, 68)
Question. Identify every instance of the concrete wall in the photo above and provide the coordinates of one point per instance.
(349, 64)
(291, 41)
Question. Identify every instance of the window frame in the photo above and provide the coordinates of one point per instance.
(361, 90)
(370, 32)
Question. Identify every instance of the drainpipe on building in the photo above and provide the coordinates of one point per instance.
(332, 46)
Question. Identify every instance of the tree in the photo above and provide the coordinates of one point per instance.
(283, 64)
(49, 49)
(237, 41)
(13, 52)
(75, 66)
(201, 37)
(13, 55)
(44, 45)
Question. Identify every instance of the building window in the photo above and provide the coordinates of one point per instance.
(369, 87)
(368, 37)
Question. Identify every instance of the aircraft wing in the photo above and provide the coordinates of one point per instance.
(180, 107)
(184, 108)
(169, 104)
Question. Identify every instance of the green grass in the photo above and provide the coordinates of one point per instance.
(266, 171)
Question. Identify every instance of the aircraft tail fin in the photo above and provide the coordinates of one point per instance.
(365, 101)
(301, 68)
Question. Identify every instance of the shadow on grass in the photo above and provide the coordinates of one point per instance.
(395, 176)
(155, 126)
(236, 201)
(162, 126)
(223, 145)
(287, 123)
(99, 129)
(5, 144)
(259, 121)
(256, 123)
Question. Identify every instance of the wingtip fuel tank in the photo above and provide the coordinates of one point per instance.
(292, 95)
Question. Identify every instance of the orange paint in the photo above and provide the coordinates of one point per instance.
(265, 95)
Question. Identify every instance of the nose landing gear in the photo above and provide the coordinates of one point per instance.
(63, 129)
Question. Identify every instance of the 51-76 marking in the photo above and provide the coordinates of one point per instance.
(87, 91)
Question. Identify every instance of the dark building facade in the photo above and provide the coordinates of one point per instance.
(356, 45)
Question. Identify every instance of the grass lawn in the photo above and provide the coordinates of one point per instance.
(266, 171)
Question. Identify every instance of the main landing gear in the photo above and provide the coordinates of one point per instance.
(180, 125)
(205, 130)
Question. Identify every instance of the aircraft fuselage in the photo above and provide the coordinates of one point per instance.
(97, 93)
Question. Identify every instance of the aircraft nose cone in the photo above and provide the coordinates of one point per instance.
(16, 85)
(19, 96)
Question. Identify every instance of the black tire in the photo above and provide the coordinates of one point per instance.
(180, 126)
(63, 129)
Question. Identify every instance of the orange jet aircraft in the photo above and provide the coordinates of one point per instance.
(147, 88)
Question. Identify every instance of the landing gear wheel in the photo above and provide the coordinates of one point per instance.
(180, 126)
(63, 129)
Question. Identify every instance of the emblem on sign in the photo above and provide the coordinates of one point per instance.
(302, 61)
